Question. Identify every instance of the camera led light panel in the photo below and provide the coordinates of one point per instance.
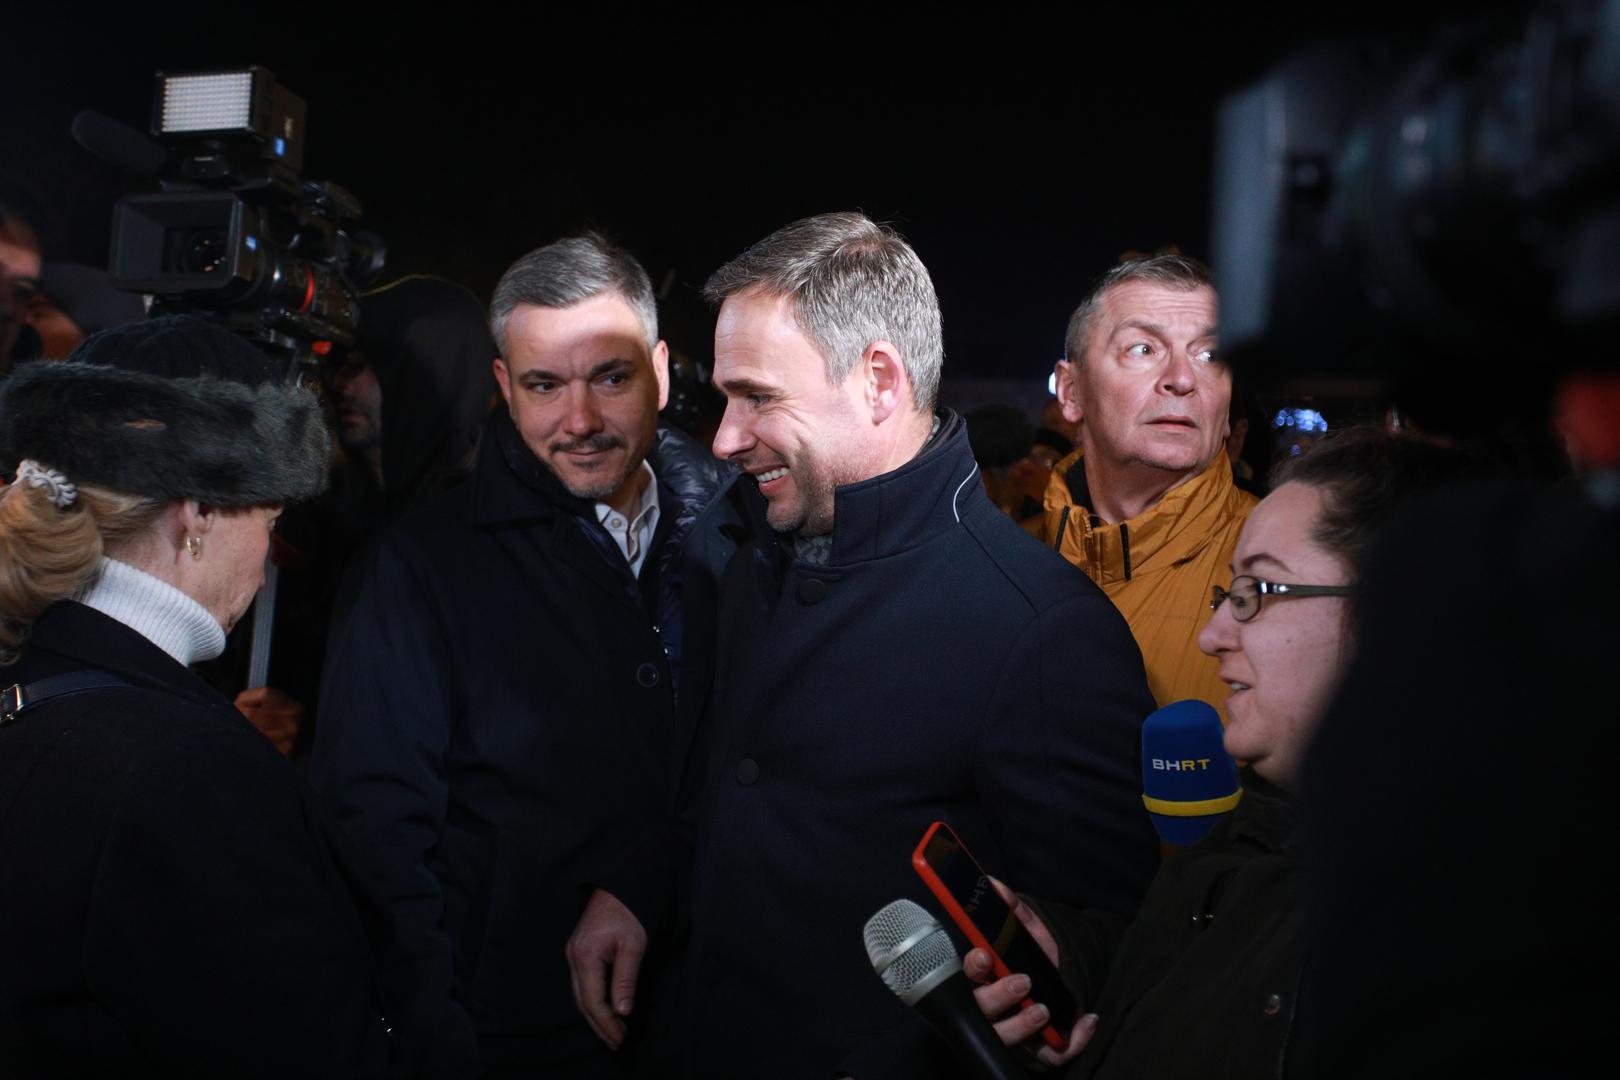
(222, 102)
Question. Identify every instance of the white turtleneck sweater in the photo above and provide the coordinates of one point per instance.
(156, 610)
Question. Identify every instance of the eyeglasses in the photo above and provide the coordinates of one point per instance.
(1246, 592)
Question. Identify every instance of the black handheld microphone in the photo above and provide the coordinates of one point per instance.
(915, 958)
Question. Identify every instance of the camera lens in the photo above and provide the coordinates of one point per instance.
(204, 252)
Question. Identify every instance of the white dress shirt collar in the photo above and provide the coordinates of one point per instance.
(634, 534)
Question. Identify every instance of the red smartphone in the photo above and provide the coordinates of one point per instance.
(963, 889)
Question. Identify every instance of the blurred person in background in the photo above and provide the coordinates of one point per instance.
(1000, 436)
(1461, 782)
(72, 302)
(408, 401)
(19, 279)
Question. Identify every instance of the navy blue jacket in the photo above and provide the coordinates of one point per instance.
(172, 902)
(506, 714)
(944, 665)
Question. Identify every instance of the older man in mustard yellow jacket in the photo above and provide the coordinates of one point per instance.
(1147, 506)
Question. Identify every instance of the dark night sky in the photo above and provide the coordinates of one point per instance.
(1019, 153)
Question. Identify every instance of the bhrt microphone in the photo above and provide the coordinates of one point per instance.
(1189, 782)
(915, 958)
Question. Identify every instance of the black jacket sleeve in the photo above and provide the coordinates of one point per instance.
(379, 765)
(1060, 772)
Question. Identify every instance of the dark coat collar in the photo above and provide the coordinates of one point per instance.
(683, 468)
(503, 457)
(88, 639)
(904, 508)
(1266, 814)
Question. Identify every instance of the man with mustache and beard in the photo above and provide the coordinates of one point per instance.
(1147, 506)
(510, 700)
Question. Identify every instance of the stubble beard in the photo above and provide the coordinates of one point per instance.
(816, 484)
(597, 490)
(592, 487)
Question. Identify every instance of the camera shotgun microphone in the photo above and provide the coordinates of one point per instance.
(914, 956)
(118, 144)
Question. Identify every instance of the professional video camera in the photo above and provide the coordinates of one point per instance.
(1456, 200)
(235, 233)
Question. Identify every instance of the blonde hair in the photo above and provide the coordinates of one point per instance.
(49, 553)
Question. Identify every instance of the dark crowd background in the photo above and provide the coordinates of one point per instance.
(1020, 152)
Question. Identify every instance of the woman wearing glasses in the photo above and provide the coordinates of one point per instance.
(1203, 982)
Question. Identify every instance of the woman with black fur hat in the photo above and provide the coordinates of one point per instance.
(172, 902)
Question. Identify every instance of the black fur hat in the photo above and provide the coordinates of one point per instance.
(173, 408)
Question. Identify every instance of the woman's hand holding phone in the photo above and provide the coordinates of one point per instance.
(997, 997)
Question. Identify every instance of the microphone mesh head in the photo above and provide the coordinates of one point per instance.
(909, 949)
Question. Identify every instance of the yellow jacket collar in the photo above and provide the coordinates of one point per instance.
(1176, 529)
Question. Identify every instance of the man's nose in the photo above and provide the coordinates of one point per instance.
(584, 417)
(731, 437)
(1179, 375)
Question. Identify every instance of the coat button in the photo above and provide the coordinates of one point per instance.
(812, 590)
(747, 771)
(1272, 1006)
(647, 675)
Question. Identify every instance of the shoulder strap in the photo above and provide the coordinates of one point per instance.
(18, 697)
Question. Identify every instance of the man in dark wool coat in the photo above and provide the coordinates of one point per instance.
(511, 699)
(893, 651)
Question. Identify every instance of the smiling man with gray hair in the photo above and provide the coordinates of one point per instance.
(893, 651)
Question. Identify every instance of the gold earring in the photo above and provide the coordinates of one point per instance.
(194, 546)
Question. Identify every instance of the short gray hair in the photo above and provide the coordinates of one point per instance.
(852, 282)
(571, 271)
(1169, 268)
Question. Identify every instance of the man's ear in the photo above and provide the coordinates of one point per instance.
(1068, 391)
(887, 386)
(660, 363)
(503, 379)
